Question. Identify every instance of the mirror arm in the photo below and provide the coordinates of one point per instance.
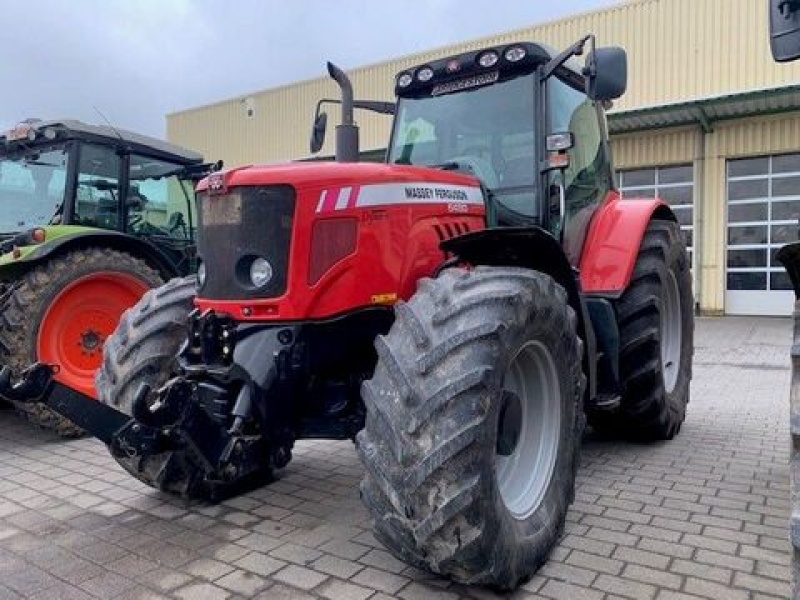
(575, 50)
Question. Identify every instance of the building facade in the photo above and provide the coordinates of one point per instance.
(709, 123)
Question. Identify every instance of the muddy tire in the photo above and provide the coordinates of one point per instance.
(61, 312)
(143, 349)
(474, 424)
(656, 326)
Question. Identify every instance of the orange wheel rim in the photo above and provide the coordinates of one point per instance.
(78, 321)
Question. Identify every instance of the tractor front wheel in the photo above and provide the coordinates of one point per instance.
(474, 424)
(143, 349)
(61, 313)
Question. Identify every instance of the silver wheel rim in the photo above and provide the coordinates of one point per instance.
(671, 332)
(524, 473)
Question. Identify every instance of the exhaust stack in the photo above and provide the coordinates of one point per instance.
(347, 130)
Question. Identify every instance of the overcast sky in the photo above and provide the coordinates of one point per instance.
(136, 60)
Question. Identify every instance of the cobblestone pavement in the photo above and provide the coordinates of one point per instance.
(703, 516)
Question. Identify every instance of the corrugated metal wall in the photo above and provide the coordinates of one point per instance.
(677, 50)
(654, 148)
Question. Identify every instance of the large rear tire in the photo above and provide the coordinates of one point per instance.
(143, 349)
(61, 313)
(656, 326)
(474, 424)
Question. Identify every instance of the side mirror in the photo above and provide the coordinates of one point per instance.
(318, 132)
(606, 73)
(784, 29)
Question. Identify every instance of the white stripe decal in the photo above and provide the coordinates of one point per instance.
(417, 193)
(344, 196)
(322, 198)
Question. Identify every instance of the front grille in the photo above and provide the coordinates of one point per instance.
(235, 227)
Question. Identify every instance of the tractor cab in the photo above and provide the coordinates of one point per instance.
(528, 123)
(59, 177)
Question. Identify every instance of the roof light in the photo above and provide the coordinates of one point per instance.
(453, 66)
(488, 59)
(515, 53)
(425, 74)
(50, 133)
(404, 80)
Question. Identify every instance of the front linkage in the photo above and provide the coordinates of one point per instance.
(189, 414)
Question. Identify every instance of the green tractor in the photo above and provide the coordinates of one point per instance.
(91, 217)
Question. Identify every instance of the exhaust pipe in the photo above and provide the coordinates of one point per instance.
(347, 130)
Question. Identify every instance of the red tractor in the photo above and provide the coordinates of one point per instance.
(459, 312)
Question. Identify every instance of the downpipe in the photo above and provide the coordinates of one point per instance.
(789, 256)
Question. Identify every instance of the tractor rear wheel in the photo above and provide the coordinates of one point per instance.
(143, 350)
(656, 326)
(61, 313)
(474, 424)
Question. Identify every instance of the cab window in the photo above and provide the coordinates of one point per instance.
(97, 199)
(588, 178)
(157, 202)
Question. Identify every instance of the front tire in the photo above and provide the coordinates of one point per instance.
(656, 326)
(474, 424)
(143, 350)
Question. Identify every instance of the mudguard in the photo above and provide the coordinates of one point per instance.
(789, 256)
(612, 242)
(60, 238)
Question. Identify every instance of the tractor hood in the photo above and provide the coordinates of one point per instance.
(318, 175)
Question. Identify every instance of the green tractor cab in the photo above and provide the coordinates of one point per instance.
(91, 217)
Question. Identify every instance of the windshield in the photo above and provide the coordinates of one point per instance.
(32, 186)
(487, 130)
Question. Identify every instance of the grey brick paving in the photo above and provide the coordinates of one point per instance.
(703, 516)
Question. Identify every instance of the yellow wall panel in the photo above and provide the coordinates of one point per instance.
(652, 148)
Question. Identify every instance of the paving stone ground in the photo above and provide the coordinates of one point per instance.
(703, 516)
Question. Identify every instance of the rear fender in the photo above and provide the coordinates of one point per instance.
(613, 240)
(532, 248)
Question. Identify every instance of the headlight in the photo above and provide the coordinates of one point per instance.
(260, 272)
(201, 275)
(404, 80)
(488, 59)
(515, 54)
(425, 74)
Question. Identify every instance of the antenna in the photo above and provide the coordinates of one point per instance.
(114, 129)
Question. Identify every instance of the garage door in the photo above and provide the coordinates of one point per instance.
(763, 206)
(673, 184)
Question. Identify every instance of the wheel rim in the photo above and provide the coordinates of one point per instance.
(78, 321)
(528, 430)
(671, 333)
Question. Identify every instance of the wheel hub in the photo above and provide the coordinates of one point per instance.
(528, 429)
(91, 341)
(509, 425)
